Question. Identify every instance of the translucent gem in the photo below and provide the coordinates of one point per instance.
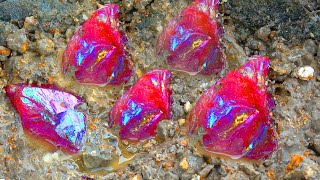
(234, 114)
(190, 42)
(143, 106)
(49, 114)
(96, 54)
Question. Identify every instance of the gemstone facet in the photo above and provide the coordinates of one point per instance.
(143, 106)
(233, 114)
(49, 114)
(96, 53)
(190, 41)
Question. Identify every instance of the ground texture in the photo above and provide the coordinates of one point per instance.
(34, 34)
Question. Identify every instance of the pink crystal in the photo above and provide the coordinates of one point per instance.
(143, 106)
(234, 114)
(49, 114)
(190, 42)
(96, 53)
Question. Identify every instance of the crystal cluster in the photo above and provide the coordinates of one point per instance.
(143, 106)
(96, 53)
(233, 114)
(49, 114)
(190, 42)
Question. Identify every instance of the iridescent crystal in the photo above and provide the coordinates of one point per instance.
(190, 42)
(49, 114)
(234, 113)
(96, 53)
(143, 106)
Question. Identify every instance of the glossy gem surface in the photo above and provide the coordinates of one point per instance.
(96, 54)
(49, 114)
(234, 114)
(143, 106)
(190, 42)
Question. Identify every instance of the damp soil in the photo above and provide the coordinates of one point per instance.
(34, 34)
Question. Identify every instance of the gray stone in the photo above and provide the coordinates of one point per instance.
(186, 176)
(148, 172)
(96, 159)
(6, 28)
(172, 176)
(45, 46)
(263, 33)
(316, 145)
(128, 4)
(310, 46)
(205, 171)
(17, 40)
(164, 129)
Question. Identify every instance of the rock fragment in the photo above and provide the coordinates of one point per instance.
(184, 164)
(18, 41)
(304, 73)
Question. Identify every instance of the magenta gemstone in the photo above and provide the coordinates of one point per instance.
(234, 114)
(49, 114)
(143, 106)
(190, 42)
(96, 53)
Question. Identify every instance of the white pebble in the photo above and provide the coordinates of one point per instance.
(305, 73)
(187, 106)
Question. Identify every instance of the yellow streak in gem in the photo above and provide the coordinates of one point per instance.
(101, 55)
(144, 121)
(197, 43)
(240, 119)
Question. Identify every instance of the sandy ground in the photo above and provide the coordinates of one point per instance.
(34, 34)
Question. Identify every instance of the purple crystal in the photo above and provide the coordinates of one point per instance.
(49, 114)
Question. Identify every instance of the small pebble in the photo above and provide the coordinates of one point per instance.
(263, 33)
(310, 46)
(183, 142)
(305, 73)
(187, 107)
(18, 41)
(181, 121)
(205, 171)
(128, 4)
(4, 51)
(136, 177)
(45, 46)
(184, 164)
(171, 176)
(30, 23)
(316, 144)
(51, 157)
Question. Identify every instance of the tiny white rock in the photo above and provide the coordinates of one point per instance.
(187, 106)
(305, 73)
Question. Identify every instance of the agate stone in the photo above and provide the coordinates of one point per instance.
(232, 117)
(143, 106)
(190, 42)
(49, 114)
(96, 53)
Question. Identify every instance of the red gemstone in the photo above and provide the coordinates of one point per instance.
(96, 54)
(143, 106)
(234, 113)
(49, 114)
(190, 42)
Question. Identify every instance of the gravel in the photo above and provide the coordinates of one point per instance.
(34, 34)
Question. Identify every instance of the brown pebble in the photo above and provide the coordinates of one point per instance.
(5, 51)
(136, 177)
(168, 164)
(183, 142)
